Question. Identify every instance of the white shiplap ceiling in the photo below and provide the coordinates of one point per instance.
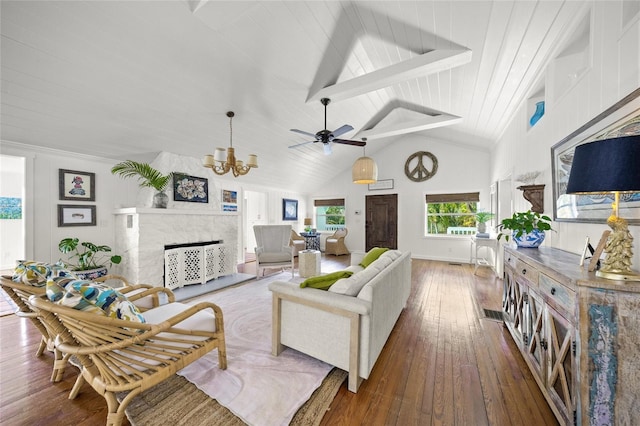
(123, 79)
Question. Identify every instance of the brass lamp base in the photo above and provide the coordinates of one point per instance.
(621, 276)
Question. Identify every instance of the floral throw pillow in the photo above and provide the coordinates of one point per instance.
(92, 297)
(36, 274)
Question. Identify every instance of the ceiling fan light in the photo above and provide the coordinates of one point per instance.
(364, 171)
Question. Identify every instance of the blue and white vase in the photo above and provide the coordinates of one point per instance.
(537, 114)
(531, 240)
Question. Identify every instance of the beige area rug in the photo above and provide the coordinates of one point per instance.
(178, 402)
(256, 387)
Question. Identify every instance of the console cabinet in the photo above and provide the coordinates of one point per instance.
(579, 335)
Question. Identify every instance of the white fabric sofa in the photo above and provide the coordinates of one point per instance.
(346, 331)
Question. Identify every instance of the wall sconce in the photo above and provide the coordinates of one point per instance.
(610, 165)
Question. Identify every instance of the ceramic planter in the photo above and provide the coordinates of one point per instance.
(531, 240)
(91, 274)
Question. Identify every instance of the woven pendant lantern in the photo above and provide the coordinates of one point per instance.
(364, 170)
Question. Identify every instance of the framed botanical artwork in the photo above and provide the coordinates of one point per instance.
(76, 186)
(72, 215)
(289, 209)
(622, 119)
(190, 188)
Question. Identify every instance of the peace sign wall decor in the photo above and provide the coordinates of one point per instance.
(415, 167)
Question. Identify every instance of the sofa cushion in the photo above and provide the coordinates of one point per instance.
(92, 297)
(392, 254)
(324, 282)
(351, 286)
(372, 255)
(355, 268)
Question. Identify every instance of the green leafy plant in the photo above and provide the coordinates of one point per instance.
(483, 217)
(148, 177)
(88, 255)
(522, 223)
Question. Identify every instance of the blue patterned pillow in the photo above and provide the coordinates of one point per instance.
(92, 297)
(35, 273)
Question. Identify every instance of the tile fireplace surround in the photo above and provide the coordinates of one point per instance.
(143, 233)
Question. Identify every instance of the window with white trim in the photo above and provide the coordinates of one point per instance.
(330, 214)
(451, 214)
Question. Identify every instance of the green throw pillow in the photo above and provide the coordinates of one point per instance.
(372, 255)
(323, 282)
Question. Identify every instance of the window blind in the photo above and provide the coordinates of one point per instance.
(453, 198)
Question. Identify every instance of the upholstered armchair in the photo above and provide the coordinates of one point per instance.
(297, 243)
(273, 249)
(335, 243)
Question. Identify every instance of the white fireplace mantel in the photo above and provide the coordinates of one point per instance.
(142, 233)
(157, 211)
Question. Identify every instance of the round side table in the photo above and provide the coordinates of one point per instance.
(308, 263)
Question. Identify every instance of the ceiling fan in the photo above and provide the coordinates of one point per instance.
(326, 136)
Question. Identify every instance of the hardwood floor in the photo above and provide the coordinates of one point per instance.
(444, 364)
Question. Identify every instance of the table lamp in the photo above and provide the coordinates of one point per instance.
(307, 224)
(605, 166)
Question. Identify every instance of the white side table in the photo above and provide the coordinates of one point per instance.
(488, 243)
(309, 263)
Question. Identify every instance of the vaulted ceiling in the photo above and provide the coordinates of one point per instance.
(130, 78)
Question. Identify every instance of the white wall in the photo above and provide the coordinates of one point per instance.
(610, 77)
(460, 169)
(42, 198)
(113, 192)
(12, 247)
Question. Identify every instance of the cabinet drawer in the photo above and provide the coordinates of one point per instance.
(527, 271)
(555, 292)
(510, 260)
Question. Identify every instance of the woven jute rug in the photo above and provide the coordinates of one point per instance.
(176, 401)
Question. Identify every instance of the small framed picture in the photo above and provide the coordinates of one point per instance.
(190, 188)
(289, 209)
(381, 184)
(76, 186)
(229, 197)
(229, 207)
(71, 215)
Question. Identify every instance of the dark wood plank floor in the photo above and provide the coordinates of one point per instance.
(444, 364)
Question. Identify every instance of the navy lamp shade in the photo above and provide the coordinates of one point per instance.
(610, 165)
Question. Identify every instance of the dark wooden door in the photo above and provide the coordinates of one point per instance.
(381, 226)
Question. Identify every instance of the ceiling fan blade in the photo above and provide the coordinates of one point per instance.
(327, 148)
(302, 132)
(342, 130)
(300, 144)
(348, 142)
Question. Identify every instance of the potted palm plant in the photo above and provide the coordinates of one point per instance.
(91, 260)
(527, 228)
(481, 219)
(148, 177)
